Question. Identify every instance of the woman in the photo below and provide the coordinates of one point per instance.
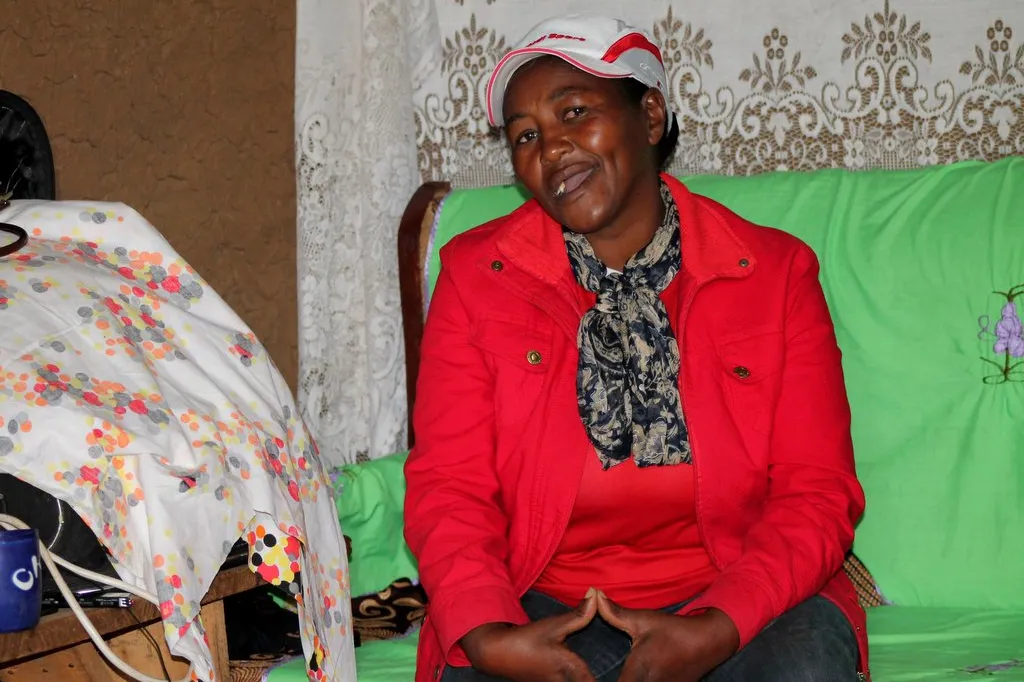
(633, 455)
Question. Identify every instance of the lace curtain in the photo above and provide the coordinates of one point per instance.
(356, 70)
(389, 93)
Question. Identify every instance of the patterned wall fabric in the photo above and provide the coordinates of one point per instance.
(766, 86)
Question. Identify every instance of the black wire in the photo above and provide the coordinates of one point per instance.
(152, 640)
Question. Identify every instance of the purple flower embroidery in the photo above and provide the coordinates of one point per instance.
(1009, 340)
(1010, 333)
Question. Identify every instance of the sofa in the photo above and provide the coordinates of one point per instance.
(924, 274)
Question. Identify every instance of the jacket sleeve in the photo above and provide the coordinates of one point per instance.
(454, 523)
(814, 498)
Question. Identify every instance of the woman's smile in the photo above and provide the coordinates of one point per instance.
(573, 181)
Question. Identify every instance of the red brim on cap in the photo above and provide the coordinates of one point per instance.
(512, 61)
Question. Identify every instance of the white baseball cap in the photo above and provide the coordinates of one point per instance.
(601, 46)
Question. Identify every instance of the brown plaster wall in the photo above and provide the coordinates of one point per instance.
(182, 110)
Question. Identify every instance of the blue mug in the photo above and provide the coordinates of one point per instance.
(21, 593)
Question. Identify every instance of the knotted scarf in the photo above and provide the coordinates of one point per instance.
(627, 379)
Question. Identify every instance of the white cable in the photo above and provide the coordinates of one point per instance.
(11, 522)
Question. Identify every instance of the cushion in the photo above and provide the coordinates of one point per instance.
(393, 612)
(908, 644)
(919, 268)
(370, 498)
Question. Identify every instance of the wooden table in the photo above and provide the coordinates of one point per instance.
(59, 648)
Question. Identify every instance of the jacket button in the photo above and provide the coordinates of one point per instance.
(741, 371)
(497, 265)
(744, 262)
(533, 357)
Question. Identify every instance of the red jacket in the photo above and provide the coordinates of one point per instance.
(500, 446)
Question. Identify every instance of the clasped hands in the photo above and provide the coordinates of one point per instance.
(666, 647)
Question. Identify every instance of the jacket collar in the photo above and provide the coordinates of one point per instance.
(533, 241)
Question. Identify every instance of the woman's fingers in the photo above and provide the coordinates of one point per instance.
(618, 617)
(566, 624)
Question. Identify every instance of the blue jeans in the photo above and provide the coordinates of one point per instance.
(813, 642)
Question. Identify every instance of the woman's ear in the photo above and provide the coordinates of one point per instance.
(656, 113)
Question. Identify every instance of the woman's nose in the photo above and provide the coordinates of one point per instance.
(554, 146)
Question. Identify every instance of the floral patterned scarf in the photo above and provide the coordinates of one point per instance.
(627, 379)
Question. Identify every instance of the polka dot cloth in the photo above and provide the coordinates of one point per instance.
(130, 389)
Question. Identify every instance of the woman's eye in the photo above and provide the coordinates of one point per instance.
(525, 137)
(575, 112)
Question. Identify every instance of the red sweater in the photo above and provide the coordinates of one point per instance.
(633, 532)
(501, 450)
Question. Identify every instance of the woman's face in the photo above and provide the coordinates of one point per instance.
(567, 126)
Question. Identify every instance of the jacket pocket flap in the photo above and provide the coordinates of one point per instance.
(524, 345)
(752, 358)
